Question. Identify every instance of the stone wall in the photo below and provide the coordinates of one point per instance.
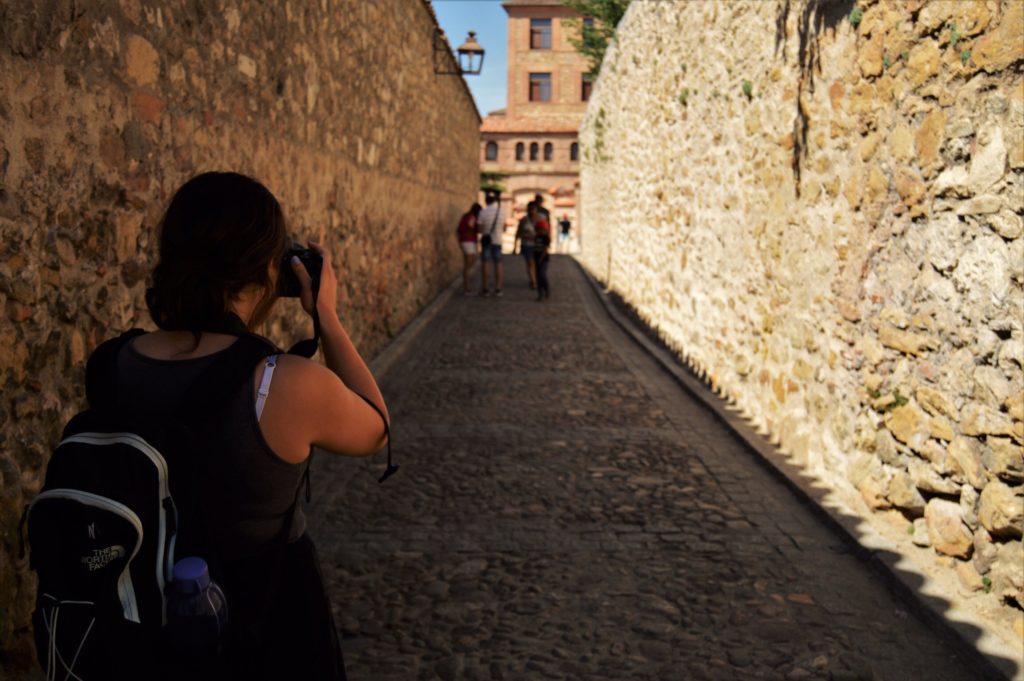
(819, 206)
(107, 107)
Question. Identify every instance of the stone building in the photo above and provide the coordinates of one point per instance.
(107, 107)
(533, 140)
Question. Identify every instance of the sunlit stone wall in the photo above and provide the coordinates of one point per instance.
(819, 206)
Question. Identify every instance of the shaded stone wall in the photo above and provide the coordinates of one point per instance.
(819, 206)
(106, 108)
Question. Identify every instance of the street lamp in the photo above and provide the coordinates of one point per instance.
(470, 56)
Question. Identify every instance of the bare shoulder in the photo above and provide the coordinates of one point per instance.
(310, 405)
(302, 396)
(301, 366)
(296, 374)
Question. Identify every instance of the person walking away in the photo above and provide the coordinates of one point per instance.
(525, 239)
(563, 234)
(491, 225)
(541, 210)
(540, 253)
(467, 243)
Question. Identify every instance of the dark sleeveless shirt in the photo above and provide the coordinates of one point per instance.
(256, 486)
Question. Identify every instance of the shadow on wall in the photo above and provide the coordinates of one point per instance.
(918, 593)
(817, 17)
(751, 281)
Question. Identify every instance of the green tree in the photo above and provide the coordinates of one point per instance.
(492, 181)
(595, 36)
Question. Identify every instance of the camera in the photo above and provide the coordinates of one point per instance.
(287, 283)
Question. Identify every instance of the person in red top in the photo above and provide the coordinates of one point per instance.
(540, 249)
(467, 242)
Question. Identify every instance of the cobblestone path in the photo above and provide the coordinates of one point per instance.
(566, 511)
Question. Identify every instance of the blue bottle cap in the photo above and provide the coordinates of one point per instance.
(191, 575)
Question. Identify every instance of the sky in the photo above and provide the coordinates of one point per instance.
(488, 19)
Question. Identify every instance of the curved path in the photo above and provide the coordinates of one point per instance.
(566, 511)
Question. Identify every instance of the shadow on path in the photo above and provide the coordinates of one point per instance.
(566, 510)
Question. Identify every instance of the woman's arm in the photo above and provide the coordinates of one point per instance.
(326, 404)
(341, 357)
(340, 354)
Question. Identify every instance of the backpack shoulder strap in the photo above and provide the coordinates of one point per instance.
(100, 374)
(194, 419)
(216, 385)
(212, 388)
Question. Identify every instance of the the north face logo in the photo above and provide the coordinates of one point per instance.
(100, 558)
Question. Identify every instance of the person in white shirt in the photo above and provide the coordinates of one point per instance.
(491, 225)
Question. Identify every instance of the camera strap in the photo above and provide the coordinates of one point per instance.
(392, 467)
(307, 348)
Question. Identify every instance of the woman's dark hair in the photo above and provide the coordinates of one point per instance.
(221, 233)
(475, 209)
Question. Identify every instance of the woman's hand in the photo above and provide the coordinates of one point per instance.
(327, 296)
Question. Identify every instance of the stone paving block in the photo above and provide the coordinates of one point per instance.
(553, 519)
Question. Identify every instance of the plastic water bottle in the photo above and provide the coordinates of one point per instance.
(197, 611)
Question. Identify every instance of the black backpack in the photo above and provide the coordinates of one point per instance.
(105, 530)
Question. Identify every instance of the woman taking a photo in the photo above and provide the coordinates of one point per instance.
(223, 244)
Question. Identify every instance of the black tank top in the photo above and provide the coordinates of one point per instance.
(257, 486)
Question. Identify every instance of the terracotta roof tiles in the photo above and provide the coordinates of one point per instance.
(528, 3)
(506, 124)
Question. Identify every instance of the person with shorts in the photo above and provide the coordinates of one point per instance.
(563, 233)
(525, 238)
(542, 212)
(467, 242)
(491, 225)
(540, 251)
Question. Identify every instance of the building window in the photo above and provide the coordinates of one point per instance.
(533, 151)
(540, 34)
(574, 152)
(491, 153)
(548, 151)
(540, 87)
(520, 151)
(586, 85)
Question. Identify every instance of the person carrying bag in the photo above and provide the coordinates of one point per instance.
(185, 475)
(490, 244)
